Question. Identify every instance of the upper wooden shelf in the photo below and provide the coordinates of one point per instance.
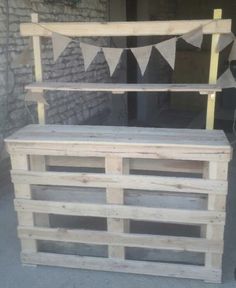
(122, 88)
(128, 28)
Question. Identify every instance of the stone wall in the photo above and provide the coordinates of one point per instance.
(65, 108)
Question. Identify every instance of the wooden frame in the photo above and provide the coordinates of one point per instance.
(215, 27)
(124, 179)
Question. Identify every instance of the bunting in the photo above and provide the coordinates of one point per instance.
(35, 97)
(89, 53)
(226, 80)
(168, 50)
(194, 37)
(59, 43)
(112, 56)
(142, 55)
(224, 41)
(24, 58)
(232, 55)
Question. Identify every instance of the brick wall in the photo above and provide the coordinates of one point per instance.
(65, 108)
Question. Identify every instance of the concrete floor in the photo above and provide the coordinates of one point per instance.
(14, 275)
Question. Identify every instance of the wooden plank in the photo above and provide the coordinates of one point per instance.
(115, 166)
(126, 266)
(215, 170)
(122, 88)
(139, 28)
(161, 183)
(38, 163)
(135, 164)
(170, 137)
(214, 62)
(124, 150)
(121, 212)
(121, 239)
(38, 70)
(23, 191)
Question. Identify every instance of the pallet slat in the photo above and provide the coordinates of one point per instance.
(121, 212)
(161, 183)
(126, 266)
(121, 239)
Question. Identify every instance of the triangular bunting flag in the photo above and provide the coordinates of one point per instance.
(112, 56)
(232, 55)
(168, 50)
(25, 57)
(89, 53)
(224, 41)
(226, 80)
(35, 97)
(59, 44)
(194, 37)
(142, 55)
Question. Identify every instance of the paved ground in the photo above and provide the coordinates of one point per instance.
(13, 275)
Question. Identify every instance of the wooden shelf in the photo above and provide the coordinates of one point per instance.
(122, 88)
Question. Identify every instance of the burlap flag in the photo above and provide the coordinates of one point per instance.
(35, 97)
(168, 50)
(142, 55)
(224, 41)
(194, 37)
(89, 53)
(59, 44)
(226, 80)
(112, 56)
(25, 57)
(232, 55)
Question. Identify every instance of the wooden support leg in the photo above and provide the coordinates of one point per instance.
(23, 191)
(116, 165)
(38, 163)
(219, 171)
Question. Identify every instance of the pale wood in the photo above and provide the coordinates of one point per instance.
(122, 239)
(161, 183)
(38, 69)
(215, 170)
(122, 87)
(129, 142)
(38, 163)
(23, 191)
(139, 28)
(122, 212)
(115, 166)
(214, 62)
(126, 266)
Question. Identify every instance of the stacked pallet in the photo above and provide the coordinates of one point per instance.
(114, 183)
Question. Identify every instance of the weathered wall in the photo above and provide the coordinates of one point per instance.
(66, 108)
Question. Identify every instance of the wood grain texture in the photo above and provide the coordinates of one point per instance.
(125, 266)
(122, 88)
(140, 28)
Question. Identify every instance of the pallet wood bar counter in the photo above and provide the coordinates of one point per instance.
(122, 175)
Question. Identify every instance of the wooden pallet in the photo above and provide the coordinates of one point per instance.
(130, 178)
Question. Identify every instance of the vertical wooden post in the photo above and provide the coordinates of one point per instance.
(38, 163)
(38, 69)
(116, 165)
(214, 62)
(23, 191)
(219, 171)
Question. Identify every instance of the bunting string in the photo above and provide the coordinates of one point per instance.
(112, 55)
